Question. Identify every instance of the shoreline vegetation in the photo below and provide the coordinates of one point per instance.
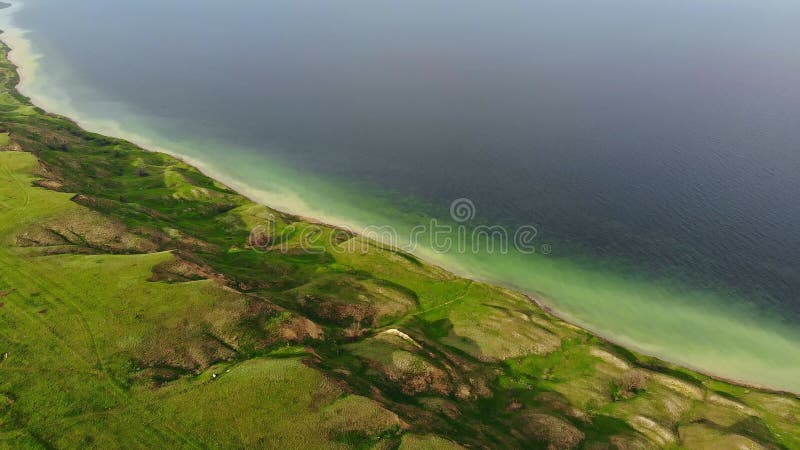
(139, 310)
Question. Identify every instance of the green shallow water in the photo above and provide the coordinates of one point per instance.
(709, 330)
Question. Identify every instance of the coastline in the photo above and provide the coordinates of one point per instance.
(746, 384)
(26, 73)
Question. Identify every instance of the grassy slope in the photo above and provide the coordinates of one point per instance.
(70, 322)
(136, 315)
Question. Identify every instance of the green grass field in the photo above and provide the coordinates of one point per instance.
(140, 309)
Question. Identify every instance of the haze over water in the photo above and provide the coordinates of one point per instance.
(655, 145)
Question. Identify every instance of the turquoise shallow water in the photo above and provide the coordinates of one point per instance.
(668, 227)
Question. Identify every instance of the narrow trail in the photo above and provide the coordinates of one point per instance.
(457, 298)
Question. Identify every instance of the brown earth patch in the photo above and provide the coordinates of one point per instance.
(297, 329)
(557, 433)
(185, 347)
(180, 270)
(414, 381)
(85, 232)
(53, 185)
(13, 146)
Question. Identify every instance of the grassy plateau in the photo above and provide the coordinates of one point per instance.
(145, 305)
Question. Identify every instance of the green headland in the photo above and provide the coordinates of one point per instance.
(145, 305)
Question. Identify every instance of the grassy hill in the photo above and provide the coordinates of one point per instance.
(144, 305)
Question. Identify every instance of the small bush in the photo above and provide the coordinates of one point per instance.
(629, 385)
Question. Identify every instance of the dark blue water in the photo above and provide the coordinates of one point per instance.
(659, 136)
